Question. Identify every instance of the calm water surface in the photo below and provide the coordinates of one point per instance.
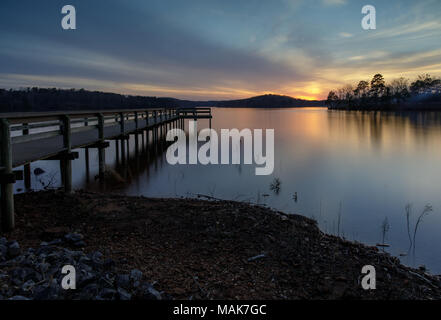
(352, 167)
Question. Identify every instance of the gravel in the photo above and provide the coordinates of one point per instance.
(36, 274)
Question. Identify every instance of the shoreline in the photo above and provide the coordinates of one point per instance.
(412, 108)
(199, 249)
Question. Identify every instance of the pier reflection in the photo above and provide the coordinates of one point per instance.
(134, 156)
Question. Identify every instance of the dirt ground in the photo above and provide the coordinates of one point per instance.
(197, 249)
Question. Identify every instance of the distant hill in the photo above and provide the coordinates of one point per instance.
(52, 99)
(263, 101)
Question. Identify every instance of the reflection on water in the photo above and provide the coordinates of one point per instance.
(351, 171)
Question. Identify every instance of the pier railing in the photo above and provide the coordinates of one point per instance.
(196, 113)
(30, 136)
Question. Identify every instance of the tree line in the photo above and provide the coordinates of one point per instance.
(52, 99)
(376, 94)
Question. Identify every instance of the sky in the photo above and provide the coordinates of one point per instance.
(216, 49)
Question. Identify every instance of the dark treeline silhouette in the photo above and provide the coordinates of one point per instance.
(52, 99)
(422, 94)
(269, 101)
(263, 101)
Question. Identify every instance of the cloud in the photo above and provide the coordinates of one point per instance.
(345, 35)
(427, 28)
(333, 2)
(213, 49)
(147, 52)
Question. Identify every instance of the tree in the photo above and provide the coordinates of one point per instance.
(425, 84)
(362, 89)
(399, 89)
(378, 85)
(332, 100)
(348, 94)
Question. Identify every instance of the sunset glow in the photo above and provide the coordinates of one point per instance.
(223, 50)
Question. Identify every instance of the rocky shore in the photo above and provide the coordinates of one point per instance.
(140, 248)
(35, 274)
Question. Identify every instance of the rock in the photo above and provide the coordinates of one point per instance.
(48, 292)
(18, 298)
(86, 279)
(260, 256)
(73, 237)
(36, 274)
(91, 289)
(44, 251)
(28, 285)
(79, 244)
(3, 250)
(55, 242)
(96, 256)
(38, 171)
(43, 267)
(135, 275)
(123, 294)
(151, 293)
(109, 264)
(13, 249)
(108, 293)
(123, 280)
(19, 275)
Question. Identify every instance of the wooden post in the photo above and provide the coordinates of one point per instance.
(143, 140)
(86, 157)
(117, 151)
(7, 191)
(136, 121)
(67, 163)
(123, 151)
(27, 167)
(86, 154)
(155, 127)
(128, 149)
(123, 144)
(101, 150)
(122, 123)
(136, 134)
(136, 144)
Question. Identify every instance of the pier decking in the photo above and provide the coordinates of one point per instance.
(29, 137)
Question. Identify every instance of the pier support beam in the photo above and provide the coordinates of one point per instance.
(27, 176)
(7, 191)
(117, 151)
(27, 167)
(102, 148)
(136, 135)
(123, 147)
(86, 157)
(66, 163)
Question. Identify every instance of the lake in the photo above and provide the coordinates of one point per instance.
(353, 172)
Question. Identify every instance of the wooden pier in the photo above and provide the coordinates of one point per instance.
(28, 137)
